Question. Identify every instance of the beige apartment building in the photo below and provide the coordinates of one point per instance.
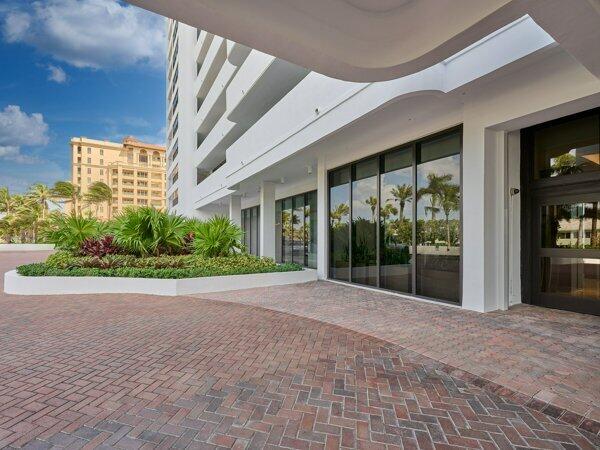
(134, 170)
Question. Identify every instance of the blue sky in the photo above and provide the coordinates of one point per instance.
(91, 68)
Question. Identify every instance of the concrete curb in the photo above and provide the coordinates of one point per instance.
(21, 285)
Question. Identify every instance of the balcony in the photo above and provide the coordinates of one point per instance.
(260, 83)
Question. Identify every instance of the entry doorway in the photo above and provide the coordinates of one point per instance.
(561, 213)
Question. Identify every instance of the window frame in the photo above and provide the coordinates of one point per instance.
(415, 144)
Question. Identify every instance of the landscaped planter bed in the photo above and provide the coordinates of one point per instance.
(148, 251)
(54, 285)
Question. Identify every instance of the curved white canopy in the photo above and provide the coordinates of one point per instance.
(375, 40)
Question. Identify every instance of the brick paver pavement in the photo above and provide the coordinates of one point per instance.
(550, 356)
(131, 371)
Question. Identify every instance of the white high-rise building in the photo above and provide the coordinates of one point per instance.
(471, 177)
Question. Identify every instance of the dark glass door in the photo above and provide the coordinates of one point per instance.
(566, 252)
(560, 213)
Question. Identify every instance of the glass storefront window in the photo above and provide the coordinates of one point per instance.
(250, 226)
(297, 238)
(567, 148)
(278, 233)
(438, 218)
(339, 224)
(288, 229)
(396, 220)
(254, 220)
(364, 222)
(310, 216)
(380, 198)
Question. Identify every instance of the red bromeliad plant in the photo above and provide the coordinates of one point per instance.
(99, 247)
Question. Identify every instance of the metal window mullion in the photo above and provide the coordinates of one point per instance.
(378, 224)
(350, 226)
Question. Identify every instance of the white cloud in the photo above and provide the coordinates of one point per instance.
(97, 34)
(56, 74)
(12, 153)
(17, 129)
(16, 25)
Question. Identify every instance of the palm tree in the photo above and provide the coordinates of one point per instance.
(339, 212)
(41, 194)
(97, 193)
(26, 217)
(6, 201)
(435, 185)
(23, 219)
(403, 195)
(372, 202)
(449, 200)
(69, 193)
(387, 211)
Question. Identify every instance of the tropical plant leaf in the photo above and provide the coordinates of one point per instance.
(219, 236)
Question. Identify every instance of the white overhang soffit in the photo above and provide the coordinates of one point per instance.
(513, 42)
(507, 46)
(378, 40)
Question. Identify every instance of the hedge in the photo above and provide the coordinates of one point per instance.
(65, 264)
(42, 269)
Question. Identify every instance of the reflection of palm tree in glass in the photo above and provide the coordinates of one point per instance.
(286, 220)
(449, 201)
(372, 202)
(306, 225)
(435, 185)
(403, 195)
(384, 214)
(387, 211)
(296, 232)
(338, 213)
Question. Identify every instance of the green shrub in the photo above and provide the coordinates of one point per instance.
(107, 262)
(219, 236)
(69, 232)
(147, 231)
(196, 267)
(62, 260)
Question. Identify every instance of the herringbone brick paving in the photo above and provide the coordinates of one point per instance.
(551, 357)
(113, 371)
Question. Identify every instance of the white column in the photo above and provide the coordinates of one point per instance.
(484, 245)
(514, 216)
(322, 219)
(235, 209)
(267, 219)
